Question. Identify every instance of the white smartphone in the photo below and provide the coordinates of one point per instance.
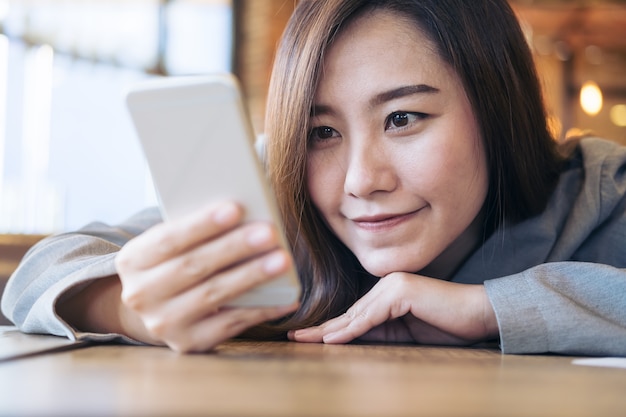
(199, 145)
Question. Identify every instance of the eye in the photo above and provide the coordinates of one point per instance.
(321, 133)
(401, 119)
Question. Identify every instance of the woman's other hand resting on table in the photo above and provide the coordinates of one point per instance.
(410, 308)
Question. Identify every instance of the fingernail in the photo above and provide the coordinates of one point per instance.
(295, 334)
(275, 263)
(225, 214)
(259, 236)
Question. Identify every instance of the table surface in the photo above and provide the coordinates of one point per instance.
(248, 378)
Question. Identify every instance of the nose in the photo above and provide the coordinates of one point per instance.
(369, 170)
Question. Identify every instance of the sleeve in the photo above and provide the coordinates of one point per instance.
(573, 308)
(575, 303)
(62, 264)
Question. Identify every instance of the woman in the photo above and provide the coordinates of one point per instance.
(423, 197)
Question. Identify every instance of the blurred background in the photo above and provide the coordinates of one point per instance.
(69, 155)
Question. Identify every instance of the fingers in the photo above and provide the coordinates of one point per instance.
(204, 263)
(372, 310)
(170, 238)
(213, 294)
(179, 277)
(342, 329)
(204, 335)
(178, 321)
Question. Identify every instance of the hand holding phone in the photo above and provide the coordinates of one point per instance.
(199, 145)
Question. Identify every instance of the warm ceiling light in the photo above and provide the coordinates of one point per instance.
(591, 98)
(618, 115)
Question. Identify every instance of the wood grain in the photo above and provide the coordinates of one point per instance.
(245, 378)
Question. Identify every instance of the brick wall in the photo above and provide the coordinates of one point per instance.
(258, 27)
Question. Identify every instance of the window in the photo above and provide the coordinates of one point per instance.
(68, 151)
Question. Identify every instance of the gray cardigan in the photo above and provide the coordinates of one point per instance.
(557, 282)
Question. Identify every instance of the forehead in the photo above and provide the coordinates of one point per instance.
(387, 46)
(386, 26)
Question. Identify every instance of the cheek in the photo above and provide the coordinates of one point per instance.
(322, 182)
(453, 174)
(430, 169)
(468, 178)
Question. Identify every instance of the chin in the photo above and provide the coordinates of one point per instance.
(382, 269)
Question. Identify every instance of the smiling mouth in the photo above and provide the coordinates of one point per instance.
(381, 222)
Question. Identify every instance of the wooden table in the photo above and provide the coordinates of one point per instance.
(273, 379)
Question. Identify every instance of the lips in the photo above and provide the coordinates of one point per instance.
(382, 221)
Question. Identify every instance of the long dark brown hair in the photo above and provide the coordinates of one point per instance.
(483, 43)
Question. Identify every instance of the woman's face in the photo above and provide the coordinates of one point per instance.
(396, 165)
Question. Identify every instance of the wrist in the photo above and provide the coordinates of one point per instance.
(92, 308)
(490, 321)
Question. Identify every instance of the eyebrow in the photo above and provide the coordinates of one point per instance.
(384, 97)
(404, 91)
